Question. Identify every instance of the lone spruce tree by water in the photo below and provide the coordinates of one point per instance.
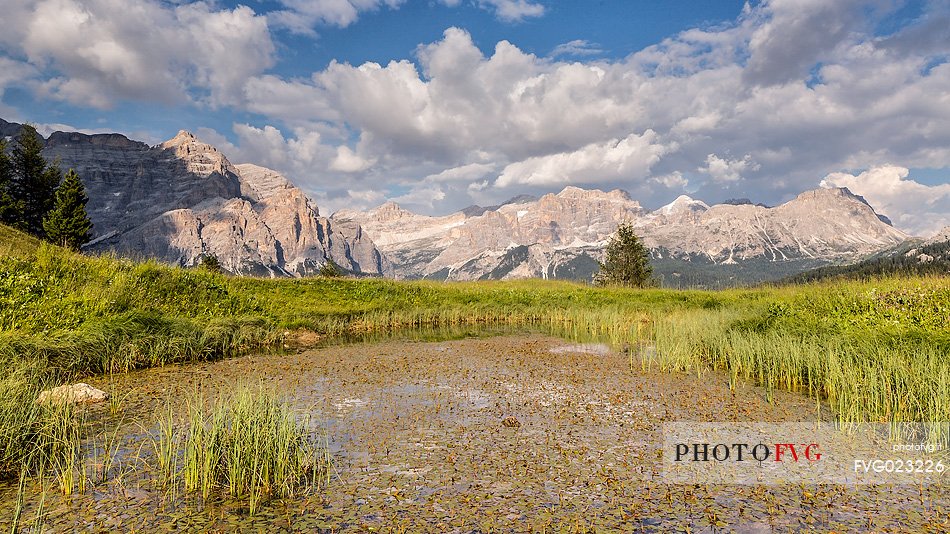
(67, 224)
(626, 261)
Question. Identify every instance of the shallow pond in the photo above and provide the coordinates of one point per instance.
(519, 433)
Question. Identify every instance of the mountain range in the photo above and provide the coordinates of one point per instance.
(562, 235)
(182, 199)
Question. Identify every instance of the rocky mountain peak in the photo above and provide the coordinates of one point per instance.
(737, 201)
(263, 182)
(187, 144)
(940, 237)
(839, 198)
(8, 129)
(181, 138)
(573, 191)
(683, 203)
(201, 158)
(390, 211)
(823, 193)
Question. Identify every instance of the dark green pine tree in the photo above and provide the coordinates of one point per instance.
(330, 270)
(9, 207)
(626, 260)
(67, 224)
(34, 181)
(210, 262)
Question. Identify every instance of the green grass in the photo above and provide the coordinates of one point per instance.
(16, 243)
(875, 349)
(38, 439)
(249, 446)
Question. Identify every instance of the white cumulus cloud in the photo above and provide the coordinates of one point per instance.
(95, 52)
(506, 10)
(630, 158)
(728, 170)
(918, 208)
(465, 173)
(347, 160)
(672, 181)
(514, 10)
(303, 16)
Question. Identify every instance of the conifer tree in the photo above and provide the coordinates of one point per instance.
(330, 270)
(67, 224)
(34, 181)
(210, 262)
(626, 260)
(9, 208)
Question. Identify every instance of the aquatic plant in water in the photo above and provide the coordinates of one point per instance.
(248, 445)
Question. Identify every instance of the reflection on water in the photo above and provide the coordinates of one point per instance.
(599, 349)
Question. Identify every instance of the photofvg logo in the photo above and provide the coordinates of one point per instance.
(794, 453)
(742, 452)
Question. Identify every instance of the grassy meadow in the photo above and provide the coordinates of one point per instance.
(875, 350)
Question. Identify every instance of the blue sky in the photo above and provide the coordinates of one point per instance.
(439, 104)
(617, 27)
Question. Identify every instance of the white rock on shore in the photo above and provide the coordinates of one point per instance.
(74, 394)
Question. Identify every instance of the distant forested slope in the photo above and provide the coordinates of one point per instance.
(915, 257)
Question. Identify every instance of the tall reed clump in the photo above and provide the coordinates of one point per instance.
(249, 446)
(58, 447)
(39, 439)
(865, 379)
(689, 340)
(20, 417)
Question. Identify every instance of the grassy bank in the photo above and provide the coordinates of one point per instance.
(71, 315)
(877, 349)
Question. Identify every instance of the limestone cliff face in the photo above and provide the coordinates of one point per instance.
(823, 224)
(563, 234)
(182, 199)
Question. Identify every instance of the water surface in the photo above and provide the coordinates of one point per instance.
(418, 442)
